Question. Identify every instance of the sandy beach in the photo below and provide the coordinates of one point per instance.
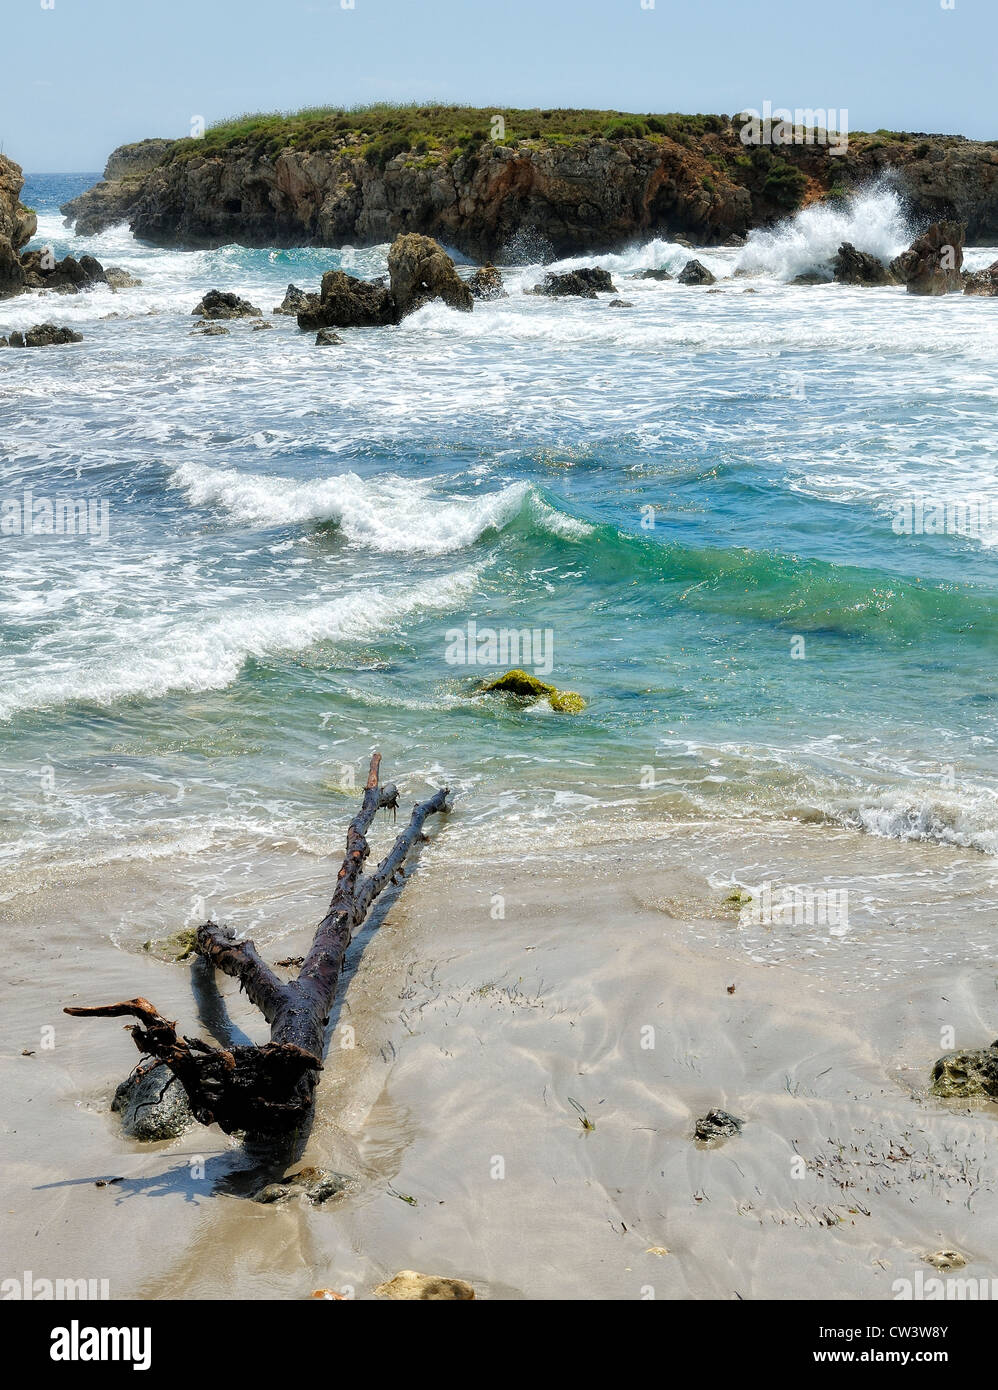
(618, 984)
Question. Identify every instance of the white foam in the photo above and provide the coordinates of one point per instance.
(875, 221)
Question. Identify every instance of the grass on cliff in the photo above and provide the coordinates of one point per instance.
(386, 129)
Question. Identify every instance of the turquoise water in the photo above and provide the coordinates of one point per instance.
(675, 493)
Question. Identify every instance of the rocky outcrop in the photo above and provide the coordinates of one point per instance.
(346, 302)
(486, 283)
(969, 1073)
(933, 261)
(549, 196)
(696, 273)
(327, 338)
(293, 303)
(121, 279)
(45, 335)
(585, 283)
(219, 304)
(652, 275)
(68, 276)
(983, 282)
(419, 270)
(17, 226)
(852, 267)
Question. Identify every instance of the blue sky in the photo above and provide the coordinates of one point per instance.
(84, 76)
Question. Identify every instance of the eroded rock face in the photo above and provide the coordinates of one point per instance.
(219, 304)
(18, 225)
(983, 282)
(696, 273)
(933, 261)
(295, 301)
(419, 270)
(852, 267)
(959, 1074)
(153, 1106)
(584, 284)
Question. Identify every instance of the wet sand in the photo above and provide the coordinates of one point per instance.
(477, 1039)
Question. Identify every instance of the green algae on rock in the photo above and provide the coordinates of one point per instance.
(176, 947)
(959, 1074)
(527, 687)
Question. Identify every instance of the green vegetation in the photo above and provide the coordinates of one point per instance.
(384, 130)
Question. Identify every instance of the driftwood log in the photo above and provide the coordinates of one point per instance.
(269, 1090)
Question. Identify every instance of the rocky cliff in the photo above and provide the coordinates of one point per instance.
(17, 227)
(554, 194)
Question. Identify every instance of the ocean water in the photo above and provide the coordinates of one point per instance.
(694, 501)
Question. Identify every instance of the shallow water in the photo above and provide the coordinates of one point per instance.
(690, 501)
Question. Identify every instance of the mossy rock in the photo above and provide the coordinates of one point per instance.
(176, 947)
(961, 1074)
(527, 687)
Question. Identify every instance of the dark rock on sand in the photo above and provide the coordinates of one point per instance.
(959, 1074)
(584, 284)
(420, 270)
(327, 338)
(933, 261)
(695, 273)
(317, 1184)
(715, 1125)
(852, 267)
(153, 1105)
(486, 283)
(983, 282)
(219, 304)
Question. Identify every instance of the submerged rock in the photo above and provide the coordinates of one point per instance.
(327, 338)
(419, 270)
(153, 1105)
(653, 275)
(933, 261)
(317, 1184)
(219, 304)
(696, 273)
(528, 687)
(621, 304)
(407, 1284)
(983, 282)
(852, 267)
(209, 330)
(716, 1125)
(583, 284)
(959, 1074)
(486, 283)
(121, 279)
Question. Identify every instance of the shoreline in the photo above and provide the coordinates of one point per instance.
(476, 1040)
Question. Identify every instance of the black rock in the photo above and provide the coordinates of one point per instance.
(653, 275)
(852, 267)
(716, 1124)
(153, 1105)
(218, 304)
(327, 338)
(584, 284)
(695, 273)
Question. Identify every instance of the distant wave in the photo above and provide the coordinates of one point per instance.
(875, 221)
(388, 513)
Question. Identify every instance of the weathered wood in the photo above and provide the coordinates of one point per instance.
(269, 1090)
